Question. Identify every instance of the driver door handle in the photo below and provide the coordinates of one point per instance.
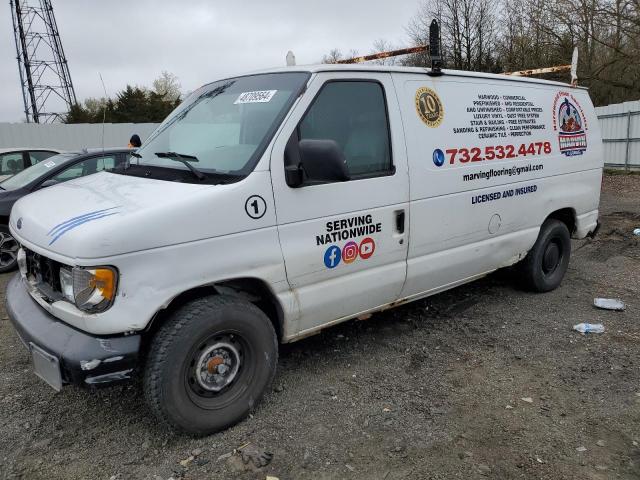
(399, 221)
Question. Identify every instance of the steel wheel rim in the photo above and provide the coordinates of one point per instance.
(552, 257)
(218, 366)
(236, 381)
(8, 249)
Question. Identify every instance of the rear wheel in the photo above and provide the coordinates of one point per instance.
(546, 263)
(210, 364)
(8, 250)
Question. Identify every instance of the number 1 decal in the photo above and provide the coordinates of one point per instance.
(255, 206)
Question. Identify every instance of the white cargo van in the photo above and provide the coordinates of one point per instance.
(270, 206)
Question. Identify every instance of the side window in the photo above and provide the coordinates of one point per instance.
(38, 156)
(105, 163)
(86, 167)
(354, 114)
(11, 163)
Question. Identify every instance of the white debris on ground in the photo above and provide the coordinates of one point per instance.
(589, 328)
(609, 304)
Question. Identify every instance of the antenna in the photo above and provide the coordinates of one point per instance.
(291, 59)
(104, 108)
(434, 49)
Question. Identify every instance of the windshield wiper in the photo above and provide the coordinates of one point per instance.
(135, 154)
(185, 160)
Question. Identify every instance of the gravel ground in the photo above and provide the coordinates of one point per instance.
(481, 381)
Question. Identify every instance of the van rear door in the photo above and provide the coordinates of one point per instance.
(345, 243)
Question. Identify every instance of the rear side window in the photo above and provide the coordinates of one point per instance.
(354, 115)
(11, 163)
(38, 156)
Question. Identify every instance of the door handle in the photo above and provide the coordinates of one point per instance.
(400, 221)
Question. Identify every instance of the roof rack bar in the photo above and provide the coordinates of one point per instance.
(539, 71)
(381, 55)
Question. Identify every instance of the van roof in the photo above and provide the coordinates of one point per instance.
(332, 67)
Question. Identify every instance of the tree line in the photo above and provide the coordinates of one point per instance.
(133, 104)
(509, 35)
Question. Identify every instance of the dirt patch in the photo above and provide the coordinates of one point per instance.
(616, 237)
(430, 390)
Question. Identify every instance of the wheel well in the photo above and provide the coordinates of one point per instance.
(566, 216)
(251, 289)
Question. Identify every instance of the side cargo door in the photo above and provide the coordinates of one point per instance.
(345, 243)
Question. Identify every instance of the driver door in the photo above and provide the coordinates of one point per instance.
(345, 243)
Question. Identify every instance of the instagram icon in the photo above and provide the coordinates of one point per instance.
(350, 252)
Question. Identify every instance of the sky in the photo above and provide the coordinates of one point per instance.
(132, 42)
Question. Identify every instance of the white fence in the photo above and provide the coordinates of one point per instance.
(620, 126)
(72, 136)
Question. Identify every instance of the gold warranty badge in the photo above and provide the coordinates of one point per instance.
(429, 107)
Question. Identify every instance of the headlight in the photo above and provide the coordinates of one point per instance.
(66, 284)
(91, 289)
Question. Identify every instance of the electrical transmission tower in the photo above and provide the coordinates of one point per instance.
(47, 90)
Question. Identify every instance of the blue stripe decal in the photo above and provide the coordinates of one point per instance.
(64, 227)
(57, 230)
(74, 225)
(79, 217)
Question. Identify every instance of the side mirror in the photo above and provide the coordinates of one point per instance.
(319, 161)
(48, 183)
(293, 175)
(323, 161)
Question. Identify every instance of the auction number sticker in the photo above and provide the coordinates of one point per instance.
(259, 96)
(499, 152)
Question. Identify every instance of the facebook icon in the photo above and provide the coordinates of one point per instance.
(332, 256)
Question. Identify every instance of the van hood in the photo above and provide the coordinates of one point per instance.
(108, 214)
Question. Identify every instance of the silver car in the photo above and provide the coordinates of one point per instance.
(14, 160)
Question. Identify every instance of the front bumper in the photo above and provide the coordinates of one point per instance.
(84, 359)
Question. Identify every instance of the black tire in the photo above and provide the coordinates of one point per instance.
(543, 269)
(8, 250)
(180, 372)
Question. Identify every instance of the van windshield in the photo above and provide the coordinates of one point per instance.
(224, 127)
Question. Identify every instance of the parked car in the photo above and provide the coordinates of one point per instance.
(270, 206)
(55, 169)
(14, 160)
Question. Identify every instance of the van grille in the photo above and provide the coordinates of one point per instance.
(44, 274)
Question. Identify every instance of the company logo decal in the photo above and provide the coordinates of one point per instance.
(59, 230)
(332, 256)
(429, 107)
(570, 123)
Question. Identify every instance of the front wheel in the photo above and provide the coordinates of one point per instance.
(209, 364)
(8, 250)
(544, 267)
